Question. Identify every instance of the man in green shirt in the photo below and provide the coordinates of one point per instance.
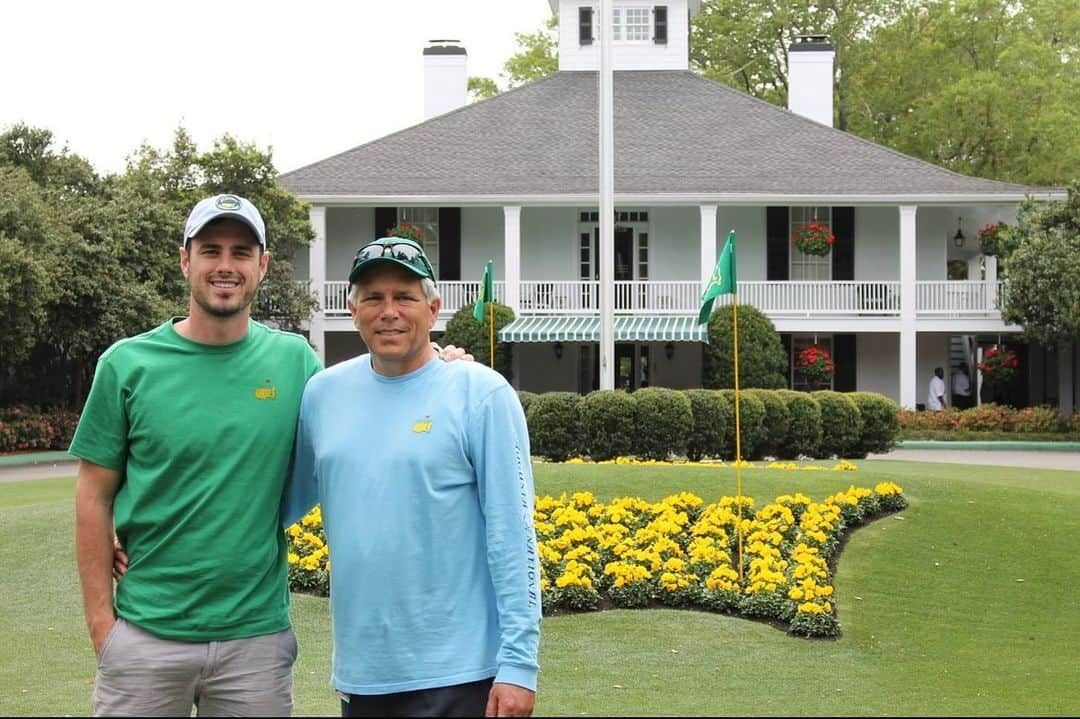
(184, 444)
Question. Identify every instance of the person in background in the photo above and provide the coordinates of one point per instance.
(422, 470)
(935, 398)
(961, 387)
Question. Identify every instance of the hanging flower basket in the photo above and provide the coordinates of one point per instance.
(409, 232)
(813, 239)
(990, 239)
(999, 365)
(815, 365)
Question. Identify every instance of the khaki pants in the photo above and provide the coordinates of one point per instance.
(140, 674)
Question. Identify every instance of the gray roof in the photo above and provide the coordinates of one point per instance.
(676, 133)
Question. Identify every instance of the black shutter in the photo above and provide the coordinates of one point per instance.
(585, 25)
(843, 252)
(776, 244)
(660, 24)
(449, 243)
(785, 340)
(385, 219)
(844, 359)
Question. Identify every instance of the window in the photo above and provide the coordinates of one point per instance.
(426, 219)
(809, 267)
(631, 24)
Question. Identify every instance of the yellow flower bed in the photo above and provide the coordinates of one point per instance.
(770, 563)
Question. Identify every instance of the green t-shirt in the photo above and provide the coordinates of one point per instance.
(202, 436)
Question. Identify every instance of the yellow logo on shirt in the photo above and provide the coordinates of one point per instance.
(267, 391)
(422, 426)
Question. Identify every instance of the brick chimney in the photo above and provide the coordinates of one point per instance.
(810, 78)
(445, 77)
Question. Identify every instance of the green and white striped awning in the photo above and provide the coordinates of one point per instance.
(560, 328)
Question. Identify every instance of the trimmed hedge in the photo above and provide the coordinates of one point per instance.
(751, 413)
(841, 423)
(713, 419)
(608, 419)
(554, 423)
(777, 420)
(664, 422)
(27, 428)
(803, 436)
(881, 423)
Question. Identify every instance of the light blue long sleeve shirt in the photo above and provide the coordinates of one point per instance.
(426, 487)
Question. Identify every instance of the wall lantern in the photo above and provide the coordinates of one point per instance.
(669, 350)
(958, 238)
(557, 348)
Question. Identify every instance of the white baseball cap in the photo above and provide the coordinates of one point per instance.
(230, 206)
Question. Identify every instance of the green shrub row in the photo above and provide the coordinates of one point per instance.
(662, 423)
(24, 428)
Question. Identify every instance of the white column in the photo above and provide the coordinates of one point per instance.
(909, 384)
(317, 263)
(708, 242)
(512, 257)
(991, 282)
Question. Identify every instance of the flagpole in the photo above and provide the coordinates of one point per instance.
(491, 334)
(738, 440)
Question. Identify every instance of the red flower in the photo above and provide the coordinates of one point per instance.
(815, 364)
(409, 232)
(999, 365)
(813, 239)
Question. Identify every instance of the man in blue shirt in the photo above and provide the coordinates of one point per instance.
(423, 472)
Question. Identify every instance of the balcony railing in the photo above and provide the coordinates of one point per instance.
(961, 299)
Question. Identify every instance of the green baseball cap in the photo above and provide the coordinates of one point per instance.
(396, 250)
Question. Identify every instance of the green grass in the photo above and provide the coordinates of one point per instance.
(934, 619)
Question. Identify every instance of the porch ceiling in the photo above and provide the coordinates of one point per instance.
(560, 328)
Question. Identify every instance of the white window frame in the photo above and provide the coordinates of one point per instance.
(620, 24)
(804, 267)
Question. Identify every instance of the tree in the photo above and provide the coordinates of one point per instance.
(744, 43)
(537, 57)
(978, 86)
(762, 361)
(462, 330)
(1042, 264)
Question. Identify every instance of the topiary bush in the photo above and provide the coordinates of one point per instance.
(554, 423)
(762, 360)
(664, 422)
(751, 413)
(777, 419)
(713, 420)
(880, 423)
(525, 397)
(803, 436)
(608, 428)
(462, 330)
(841, 423)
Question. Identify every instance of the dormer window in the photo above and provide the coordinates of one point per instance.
(631, 24)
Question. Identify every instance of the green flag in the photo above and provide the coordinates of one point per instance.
(722, 281)
(487, 293)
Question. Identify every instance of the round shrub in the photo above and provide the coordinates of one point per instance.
(777, 419)
(525, 397)
(665, 419)
(841, 423)
(762, 360)
(713, 420)
(607, 424)
(880, 423)
(462, 330)
(751, 414)
(803, 436)
(555, 425)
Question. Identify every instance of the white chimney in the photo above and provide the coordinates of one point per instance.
(445, 77)
(810, 78)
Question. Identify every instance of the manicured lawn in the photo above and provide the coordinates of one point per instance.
(935, 620)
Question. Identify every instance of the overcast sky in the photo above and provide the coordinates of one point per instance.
(307, 79)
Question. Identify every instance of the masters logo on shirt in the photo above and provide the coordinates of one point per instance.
(422, 426)
(267, 391)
